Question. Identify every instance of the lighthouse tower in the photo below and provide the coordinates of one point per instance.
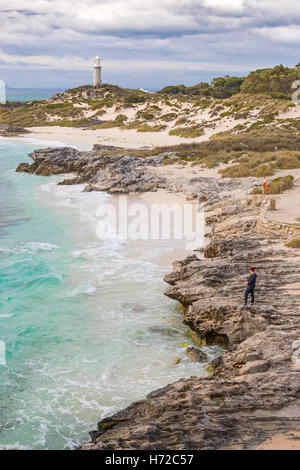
(97, 72)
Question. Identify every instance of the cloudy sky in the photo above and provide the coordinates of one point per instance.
(143, 43)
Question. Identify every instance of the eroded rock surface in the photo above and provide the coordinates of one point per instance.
(100, 168)
(11, 131)
(116, 170)
(254, 390)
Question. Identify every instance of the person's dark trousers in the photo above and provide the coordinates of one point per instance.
(247, 292)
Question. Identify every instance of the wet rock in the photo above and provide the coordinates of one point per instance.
(25, 167)
(176, 361)
(167, 331)
(138, 308)
(196, 355)
(77, 180)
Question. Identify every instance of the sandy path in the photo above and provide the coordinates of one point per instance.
(292, 113)
(282, 442)
(287, 204)
(177, 172)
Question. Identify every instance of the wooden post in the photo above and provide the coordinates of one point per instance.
(272, 206)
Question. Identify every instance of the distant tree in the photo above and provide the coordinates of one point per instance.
(277, 79)
(135, 98)
(174, 90)
(224, 87)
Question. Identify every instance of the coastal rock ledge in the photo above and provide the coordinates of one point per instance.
(12, 131)
(253, 392)
(104, 168)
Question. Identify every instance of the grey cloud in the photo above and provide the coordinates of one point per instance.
(188, 40)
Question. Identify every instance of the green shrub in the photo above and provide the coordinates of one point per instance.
(295, 243)
(146, 128)
(281, 184)
(135, 98)
(182, 120)
(225, 114)
(277, 185)
(168, 117)
(146, 115)
(278, 79)
(117, 122)
(173, 90)
(132, 125)
(187, 132)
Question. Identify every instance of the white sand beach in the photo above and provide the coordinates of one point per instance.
(84, 139)
(287, 204)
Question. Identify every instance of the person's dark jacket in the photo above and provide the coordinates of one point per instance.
(251, 281)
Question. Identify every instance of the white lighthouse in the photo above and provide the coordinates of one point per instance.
(97, 72)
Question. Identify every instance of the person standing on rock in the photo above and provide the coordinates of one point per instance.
(251, 286)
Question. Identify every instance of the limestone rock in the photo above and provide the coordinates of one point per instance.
(9, 131)
(253, 390)
(114, 173)
(176, 361)
(196, 355)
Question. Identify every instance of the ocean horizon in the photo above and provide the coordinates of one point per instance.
(30, 94)
(36, 94)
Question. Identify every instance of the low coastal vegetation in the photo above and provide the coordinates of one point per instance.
(255, 154)
(189, 132)
(239, 123)
(147, 128)
(260, 96)
(294, 243)
(277, 185)
(221, 87)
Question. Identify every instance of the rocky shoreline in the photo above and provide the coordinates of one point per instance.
(104, 168)
(12, 131)
(118, 171)
(253, 392)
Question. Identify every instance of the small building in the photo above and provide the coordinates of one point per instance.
(97, 72)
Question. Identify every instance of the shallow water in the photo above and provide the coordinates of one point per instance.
(87, 329)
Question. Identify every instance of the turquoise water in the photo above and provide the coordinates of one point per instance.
(29, 94)
(82, 322)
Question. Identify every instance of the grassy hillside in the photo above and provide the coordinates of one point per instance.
(179, 109)
(259, 152)
(245, 122)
